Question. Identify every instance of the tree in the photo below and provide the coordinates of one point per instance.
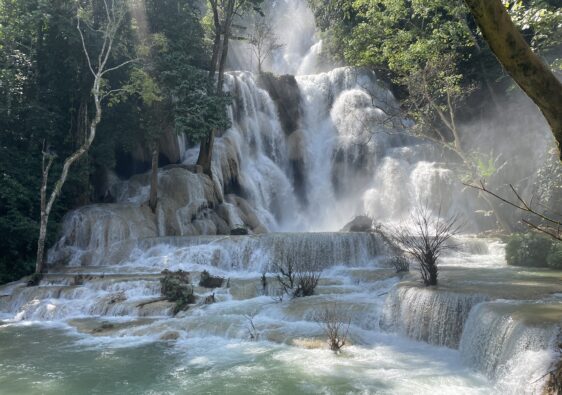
(153, 118)
(543, 220)
(435, 59)
(169, 82)
(297, 279)
(427, 240)
(223, 14)
(113, 16)
(335, 322)
(527, 69)
(263, 41)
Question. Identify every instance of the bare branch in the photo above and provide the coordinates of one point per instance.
(552, 230)
(84, 47)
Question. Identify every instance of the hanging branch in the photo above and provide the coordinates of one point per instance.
(552, 228)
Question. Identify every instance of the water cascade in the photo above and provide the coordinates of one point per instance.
(304, 155)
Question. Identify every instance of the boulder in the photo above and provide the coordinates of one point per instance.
(239, 231)
(361, 223)
(285, 93)
(172, 335)
(208, 281)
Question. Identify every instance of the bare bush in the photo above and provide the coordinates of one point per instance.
(427, 239)
(176, 287)
(297, 280)
(335, 322)
(401, 263)
(253, 333)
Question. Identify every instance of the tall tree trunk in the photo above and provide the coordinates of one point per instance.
(153, 199)
(226, 38)
(109, 30)
(206, 146)
(515, 55)
(40, 260)
(205, 158)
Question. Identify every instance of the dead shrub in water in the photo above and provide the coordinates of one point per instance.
(335, 322)
(401, 263)
(297, 280)
(176, 287)
(427, 240)
(253, 333)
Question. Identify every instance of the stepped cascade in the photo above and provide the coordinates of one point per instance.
(304, 155)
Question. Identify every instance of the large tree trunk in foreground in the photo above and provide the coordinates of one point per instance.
(515, 55)
(153, 199)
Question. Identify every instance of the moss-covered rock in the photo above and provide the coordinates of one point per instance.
(176, 287)
(208, 281)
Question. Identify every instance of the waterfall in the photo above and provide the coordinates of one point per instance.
(305, 153)
(512, 342)
(436, 316)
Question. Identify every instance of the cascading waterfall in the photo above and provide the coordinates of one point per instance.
(435, 316)
(512, 342)
(288, 165)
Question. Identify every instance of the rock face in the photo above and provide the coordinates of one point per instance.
(285, 93)
(189, 203)
(360, 223)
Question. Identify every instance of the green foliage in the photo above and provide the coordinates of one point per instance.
(41, 90)
(554, 258)
(533, 250)
(176, 287)
(45, 86)
(401, 38)
(540, 21)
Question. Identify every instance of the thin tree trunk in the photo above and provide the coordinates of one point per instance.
(153, 199)
(114, 19)
(205, 158)
(525, 67)
(40, 260)
(226, 38)
(206, 146)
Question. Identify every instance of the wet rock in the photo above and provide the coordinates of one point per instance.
(210, 299)
(170, 336)
(247, 214)
(209, 281)
(117, 298)
(78, 280)
(361, 223)
(240, 231)
(104, 327)
(309, 343)
(285, 92)
(34, 279)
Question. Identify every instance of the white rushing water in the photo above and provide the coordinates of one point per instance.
(97, 324)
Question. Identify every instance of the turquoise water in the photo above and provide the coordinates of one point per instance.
(48, 360)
